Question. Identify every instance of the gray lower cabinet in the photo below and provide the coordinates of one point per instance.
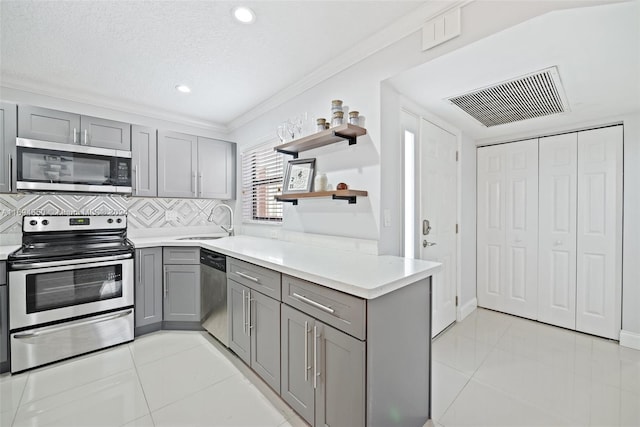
(4, 320)
(7, 147)
(177, 164)
(216, 169)
(323, 371)
(70, 128)
(254, 331)
(148, 297)
(182, 293)
(144, 153)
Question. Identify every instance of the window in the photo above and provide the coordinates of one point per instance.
(262, 173)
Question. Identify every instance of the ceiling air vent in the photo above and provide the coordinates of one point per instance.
(534, 95)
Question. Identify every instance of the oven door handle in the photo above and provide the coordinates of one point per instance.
(52, 329)
(78, 261)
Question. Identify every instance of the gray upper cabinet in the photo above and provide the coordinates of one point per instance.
(182, 293)
(148, 301)
(7, 147)
(254, 331)
(144, 153)
(216, 169)
(61, 126)
(177, 164)
(105, 133)
(48, 125)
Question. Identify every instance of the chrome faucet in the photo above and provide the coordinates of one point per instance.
(228, 229)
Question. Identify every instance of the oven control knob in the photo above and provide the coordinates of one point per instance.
(110, 220)
(45, 222)
(33, 222)
(119, 220)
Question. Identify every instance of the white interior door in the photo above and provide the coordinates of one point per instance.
(508, 228)
(599, 251)
(558, 165)
(438, 206)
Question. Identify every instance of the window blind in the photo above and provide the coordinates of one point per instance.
(262, 174)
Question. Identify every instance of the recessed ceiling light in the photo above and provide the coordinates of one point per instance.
(183, 88)
(243, 14)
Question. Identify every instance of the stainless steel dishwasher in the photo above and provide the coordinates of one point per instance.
(213, 294)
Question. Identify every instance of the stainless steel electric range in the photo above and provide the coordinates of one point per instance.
(71, 288)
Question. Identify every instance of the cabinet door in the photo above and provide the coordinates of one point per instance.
(557, 230)
(177, 164)
(105, 133)
(48, 125)
(599, 229)
(237, 307)
(216, 169)
(144, 162)
(4, 323)
(148, 286)
(340, 392)
(182, 293)
(7, 147)
(297, 362)
(264, 328)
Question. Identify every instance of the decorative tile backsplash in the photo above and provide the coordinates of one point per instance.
(142, 212)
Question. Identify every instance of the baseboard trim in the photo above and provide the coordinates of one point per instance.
(467, 308)
(630, 339)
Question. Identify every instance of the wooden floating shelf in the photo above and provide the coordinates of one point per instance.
(320, 139)
(348, 195)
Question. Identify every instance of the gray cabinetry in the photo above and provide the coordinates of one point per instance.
(181, 284)
(144, 153)
(148, 300)
(323, 371)
(7, 147)
(70, 128)
(254, 330)
(216, 169)
(177, 164)
(4, 320)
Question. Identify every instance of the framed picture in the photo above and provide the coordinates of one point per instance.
(299, 176)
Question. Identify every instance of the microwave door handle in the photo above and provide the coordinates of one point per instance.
(75, 135)
(10, 173)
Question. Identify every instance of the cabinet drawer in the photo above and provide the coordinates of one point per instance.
(180, 255)
(343, 311)
(3, 273)
(255, 277)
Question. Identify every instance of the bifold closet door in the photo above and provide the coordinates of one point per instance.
(508, 228)
(599, 232)
(558, 166)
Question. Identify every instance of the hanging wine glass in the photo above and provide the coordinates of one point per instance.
(282, 133)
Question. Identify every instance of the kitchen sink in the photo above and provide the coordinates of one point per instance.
(200, 238)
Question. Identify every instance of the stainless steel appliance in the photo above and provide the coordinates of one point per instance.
(213, 294)
(53, 166)
(70, 288)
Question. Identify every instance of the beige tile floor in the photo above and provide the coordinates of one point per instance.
(489, 370)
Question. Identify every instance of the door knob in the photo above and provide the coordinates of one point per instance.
(557, 243)
(425, 243)
(426, 227)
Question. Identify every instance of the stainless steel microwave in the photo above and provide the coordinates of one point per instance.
(53, 166)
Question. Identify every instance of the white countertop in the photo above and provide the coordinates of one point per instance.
(6, 250)
(362, 275)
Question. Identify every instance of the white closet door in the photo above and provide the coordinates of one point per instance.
(491, 226)
(557, 230)
(599, 251)
(508, 227)
(521, 243)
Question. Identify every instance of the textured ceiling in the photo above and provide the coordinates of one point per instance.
(135, 52)
(596, 50)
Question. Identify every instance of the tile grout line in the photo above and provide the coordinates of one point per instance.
(135, 367)
(24, 389)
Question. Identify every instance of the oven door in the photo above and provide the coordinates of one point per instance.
(47, 166)
(57, 292)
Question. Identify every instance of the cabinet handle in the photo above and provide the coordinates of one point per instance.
(306, 351)
(165, 284)
(246, 276)
(244, 313)
(195, 184)
(10, 173)
(86, 137)
(313, 303)
(75, 135)
(200, 186)
(315, 357)
(249, 326)
(134, 170)
(139, 262)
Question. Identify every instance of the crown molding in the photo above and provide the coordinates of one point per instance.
(73, 95)
(396, 31)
